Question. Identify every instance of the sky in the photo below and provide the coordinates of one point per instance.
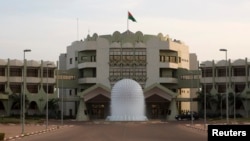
(47, 27)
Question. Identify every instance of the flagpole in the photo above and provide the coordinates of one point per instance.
(127, 22)
(130, 17)
(77, 30)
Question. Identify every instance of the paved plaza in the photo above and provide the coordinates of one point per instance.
(14, 131)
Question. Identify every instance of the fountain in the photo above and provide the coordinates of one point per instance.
(127, 102)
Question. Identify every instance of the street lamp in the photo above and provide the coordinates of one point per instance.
(191, 100)
(221, 96)
(24, 83)
(62, 98)
(47, 105)
(234, 106)
(225, 50)
(205, 97)
(247, 104)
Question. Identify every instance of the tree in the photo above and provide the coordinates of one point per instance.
(53, 107)
(16, 101)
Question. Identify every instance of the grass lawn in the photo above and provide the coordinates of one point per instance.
(15, 120)
(231, 120)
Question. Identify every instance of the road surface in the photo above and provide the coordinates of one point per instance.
(122, 131)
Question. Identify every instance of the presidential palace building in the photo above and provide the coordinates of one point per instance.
(79, 85)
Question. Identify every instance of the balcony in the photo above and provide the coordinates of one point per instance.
(87, 80)
(168, 80)
(3, 79)
(210, 80)
(50, 80)
(33, 79)
(87, 65)
(168, 65)
(17, 79)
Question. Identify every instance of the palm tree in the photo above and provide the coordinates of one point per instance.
(16, 101)
(220, 104)
(53, 107)
(231, 103)
(200, 99)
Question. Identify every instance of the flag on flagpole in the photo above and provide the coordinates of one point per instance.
(130, 17)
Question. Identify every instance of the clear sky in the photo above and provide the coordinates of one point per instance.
(47, 27)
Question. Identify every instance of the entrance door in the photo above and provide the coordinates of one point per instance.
(97, 110)
(157, 110)
(157, 107)
(98, 107)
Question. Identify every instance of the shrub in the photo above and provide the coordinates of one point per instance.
(2, 136)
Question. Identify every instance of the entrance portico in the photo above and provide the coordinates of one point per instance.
(95, 103)
(159, 102)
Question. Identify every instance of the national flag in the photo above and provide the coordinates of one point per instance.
(130, 16)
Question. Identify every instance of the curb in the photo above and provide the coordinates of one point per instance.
(197, 128)
(34, 133)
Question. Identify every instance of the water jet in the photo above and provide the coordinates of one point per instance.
(127, 101)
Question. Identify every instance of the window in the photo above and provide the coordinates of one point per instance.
(208, 71)
(239, 71)
(93, 58)
(32, 88)
(172, 59)
(239, 87)
(162, 58)
(75, 91)
(221, 88)
(50, 89)
(84, 58)
(15, 72)
(32, 72)
(70, 61)
(15, 88)
(221, 72)
(2, 88)
(2, 72)
(128, 68)
(50, 73)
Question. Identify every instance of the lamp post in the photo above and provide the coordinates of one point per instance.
(24, 83)
(246, 98)
(225, 50)
(62, 98)
(47, 101)
(234, 106)
(191, 100)
(221, 105)
(247, 108)
(205, 97)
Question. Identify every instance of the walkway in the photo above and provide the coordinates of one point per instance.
(13, 131)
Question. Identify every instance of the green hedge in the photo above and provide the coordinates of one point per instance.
(2, 136)
(7, 120)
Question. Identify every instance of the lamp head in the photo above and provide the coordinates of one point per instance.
(223, 49)
(27, 50)
(202, 65)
